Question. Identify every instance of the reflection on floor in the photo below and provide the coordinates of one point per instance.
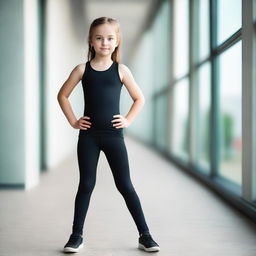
(184, 217)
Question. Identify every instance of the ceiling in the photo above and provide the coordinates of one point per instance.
(133, 16)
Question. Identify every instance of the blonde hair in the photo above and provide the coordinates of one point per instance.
(116, 55)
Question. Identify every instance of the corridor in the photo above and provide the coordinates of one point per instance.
(184, 217)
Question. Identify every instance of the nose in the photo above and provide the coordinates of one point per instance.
(104, 41)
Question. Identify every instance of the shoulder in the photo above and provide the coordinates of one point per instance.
(124, 68)
(79, 69)
(124, 71)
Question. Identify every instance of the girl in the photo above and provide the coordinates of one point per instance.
(101, 126)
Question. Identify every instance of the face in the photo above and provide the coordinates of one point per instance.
(104, 39)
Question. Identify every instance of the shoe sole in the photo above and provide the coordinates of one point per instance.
(70, 249)
(150, 249)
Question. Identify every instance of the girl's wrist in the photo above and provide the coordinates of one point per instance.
(73, 123)
(128, 120)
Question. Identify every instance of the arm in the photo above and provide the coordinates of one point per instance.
(135, 93)
(65, 91)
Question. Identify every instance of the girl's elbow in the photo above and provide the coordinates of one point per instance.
(141, 100)
(60, 96)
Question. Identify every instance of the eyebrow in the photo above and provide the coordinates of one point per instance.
(100, 35)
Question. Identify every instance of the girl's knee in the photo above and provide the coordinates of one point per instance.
(125, 188)
(86, 188)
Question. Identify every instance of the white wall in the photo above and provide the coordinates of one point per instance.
(19, 99)
(65, 48)
(12, 165)
(31, 96)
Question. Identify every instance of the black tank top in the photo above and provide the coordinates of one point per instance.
(102, 91)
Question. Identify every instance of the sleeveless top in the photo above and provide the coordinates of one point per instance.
(101, 91)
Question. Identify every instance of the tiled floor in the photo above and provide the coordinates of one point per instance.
(184, 217)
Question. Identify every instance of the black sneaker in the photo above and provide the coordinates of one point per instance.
(74, 243)
(147, 243)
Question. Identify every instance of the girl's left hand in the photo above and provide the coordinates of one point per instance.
(122, 122)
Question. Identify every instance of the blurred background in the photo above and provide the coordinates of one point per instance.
(194, 61)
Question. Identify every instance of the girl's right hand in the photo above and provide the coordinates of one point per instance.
(82, 123)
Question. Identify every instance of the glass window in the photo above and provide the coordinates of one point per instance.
(230, 113)
(161, 31)
(180, 119)
(180, 38)
(228, 24)
(203, 118)
(160, 121)
(203, 26)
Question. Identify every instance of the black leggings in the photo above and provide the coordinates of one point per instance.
(88, 151)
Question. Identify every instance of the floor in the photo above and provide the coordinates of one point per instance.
(184, 217)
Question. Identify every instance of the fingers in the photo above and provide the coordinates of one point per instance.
(83, 123)
(117, 122)
(117, 115)
(85, 117)
(121, 126)
(117, 119)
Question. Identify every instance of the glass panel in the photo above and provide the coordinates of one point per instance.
(203, 118)
(144, 76)
(180, 38)
(230, 100)
(180, 119)
(161, 121)
(161, 29)
(203, 26)
(229, 13)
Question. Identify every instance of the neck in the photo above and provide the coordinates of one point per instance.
(104, 60)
